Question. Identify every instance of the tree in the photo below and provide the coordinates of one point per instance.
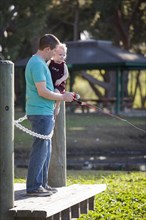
(108, 20)
(23, 22)
(105, 20)
(119, 21)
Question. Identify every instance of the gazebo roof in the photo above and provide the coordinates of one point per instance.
(91, 54)
(97, 54)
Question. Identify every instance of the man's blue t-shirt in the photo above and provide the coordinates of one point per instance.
(38, 71)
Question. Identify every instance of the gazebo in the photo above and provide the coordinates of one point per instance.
(97, 54)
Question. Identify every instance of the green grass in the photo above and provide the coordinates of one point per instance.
(89, 136)
(83, 131)
(22, 141)
(100, 120)
(124, 198)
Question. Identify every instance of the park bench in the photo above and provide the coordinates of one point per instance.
(68, 203)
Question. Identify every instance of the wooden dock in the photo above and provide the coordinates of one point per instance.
(68, 203)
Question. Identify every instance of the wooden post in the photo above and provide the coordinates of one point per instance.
(57, 170)
(6, 138)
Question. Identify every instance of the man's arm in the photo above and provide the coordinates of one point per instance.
(47, 94)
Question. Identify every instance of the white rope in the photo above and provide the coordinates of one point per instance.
(32, 133)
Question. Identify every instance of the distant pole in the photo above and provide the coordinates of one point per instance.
(57, 170)
(118, 91)
(6, 138)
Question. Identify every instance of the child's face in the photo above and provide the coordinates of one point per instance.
(59, 55)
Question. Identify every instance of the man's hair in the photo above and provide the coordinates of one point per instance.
(48, 40)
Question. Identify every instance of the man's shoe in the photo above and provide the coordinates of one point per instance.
(50, 189)
(41, 191)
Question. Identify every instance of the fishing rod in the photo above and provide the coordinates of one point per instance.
(77, 99)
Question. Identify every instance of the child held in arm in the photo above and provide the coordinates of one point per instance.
(59, 72)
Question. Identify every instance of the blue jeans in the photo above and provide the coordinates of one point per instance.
(40, 153)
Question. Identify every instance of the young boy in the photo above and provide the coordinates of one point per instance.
(59, 72)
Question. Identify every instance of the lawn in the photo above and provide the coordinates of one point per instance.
(105, 133)
(124, 199)
(94, 131)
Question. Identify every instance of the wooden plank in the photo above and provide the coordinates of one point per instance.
(31, 218)
(75, 195)
(39, 213)
(66, 214)
(57, 216)
(75, 211)
(24, 213)
(91, 203)
(84, 207)
(65, 197)
(49, 218)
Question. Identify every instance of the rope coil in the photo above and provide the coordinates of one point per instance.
(28, 131)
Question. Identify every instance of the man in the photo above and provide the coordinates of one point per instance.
(40, 100)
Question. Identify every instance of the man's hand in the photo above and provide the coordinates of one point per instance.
(68, 96)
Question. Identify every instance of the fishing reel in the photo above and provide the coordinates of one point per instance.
(76, 96)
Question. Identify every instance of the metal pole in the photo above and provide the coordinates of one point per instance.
(118, 91)
(6, 138)
(57, 170)
(122, 91)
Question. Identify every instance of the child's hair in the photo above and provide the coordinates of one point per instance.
(63, 46)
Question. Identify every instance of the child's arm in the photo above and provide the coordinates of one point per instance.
(64, 77)
(48, 63)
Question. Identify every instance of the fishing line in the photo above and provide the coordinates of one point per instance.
(77, 97)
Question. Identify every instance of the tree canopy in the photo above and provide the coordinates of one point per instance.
(23, 22)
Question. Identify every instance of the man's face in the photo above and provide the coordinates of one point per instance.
(49, 53)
